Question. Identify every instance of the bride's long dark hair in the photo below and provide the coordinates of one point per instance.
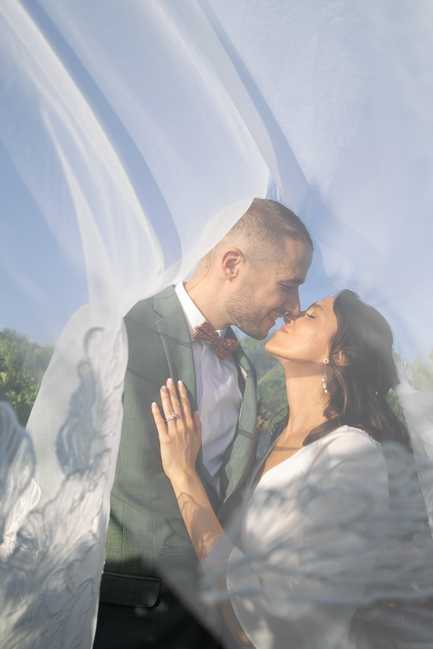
(358, 391)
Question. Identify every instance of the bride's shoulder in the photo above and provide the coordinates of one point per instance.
(349, 434)
(350, 455)
(349, 441)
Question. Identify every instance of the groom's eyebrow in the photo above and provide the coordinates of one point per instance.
(292, 280)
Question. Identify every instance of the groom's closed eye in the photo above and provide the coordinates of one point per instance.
(286, 288)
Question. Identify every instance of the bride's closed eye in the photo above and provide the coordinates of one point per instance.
(310, 316)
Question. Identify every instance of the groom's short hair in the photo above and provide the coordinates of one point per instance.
(262, 232)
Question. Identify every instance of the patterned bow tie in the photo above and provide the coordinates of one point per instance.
(223, 346)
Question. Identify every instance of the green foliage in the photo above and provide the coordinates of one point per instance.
(22, 365)
(271, 388)
(271, 385)
(255, 350)
(423, 373)
(394, 403)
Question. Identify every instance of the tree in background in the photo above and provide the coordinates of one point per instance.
(255, 350)
(423, 373)
(22, 365)
(271, 384)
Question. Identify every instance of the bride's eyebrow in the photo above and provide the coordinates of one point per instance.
(316, 306)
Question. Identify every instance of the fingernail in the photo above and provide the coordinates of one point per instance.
(163, 388)
(170, 381)
(180, 383)
(154, 405)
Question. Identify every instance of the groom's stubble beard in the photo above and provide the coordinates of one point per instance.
(243, 311)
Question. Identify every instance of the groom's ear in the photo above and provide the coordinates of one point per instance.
(232, 263)
(340, 359)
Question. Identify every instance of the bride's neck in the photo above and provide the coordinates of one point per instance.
(307, 400)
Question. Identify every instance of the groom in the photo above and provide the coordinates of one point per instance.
(249, 279)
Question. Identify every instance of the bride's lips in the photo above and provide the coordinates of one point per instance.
(283, 330)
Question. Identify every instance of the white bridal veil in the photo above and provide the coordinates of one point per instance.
(132, 136)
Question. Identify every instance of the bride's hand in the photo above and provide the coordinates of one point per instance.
(180, 436)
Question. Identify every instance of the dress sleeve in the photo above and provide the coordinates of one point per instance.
(310, 543)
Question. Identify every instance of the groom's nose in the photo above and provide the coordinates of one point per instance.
(291, 304)
(289, 318)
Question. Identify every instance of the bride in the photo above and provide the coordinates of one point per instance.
(318, 501)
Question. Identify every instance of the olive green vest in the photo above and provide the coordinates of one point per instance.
(146, 531)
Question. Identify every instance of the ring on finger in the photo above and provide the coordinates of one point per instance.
(173, 416)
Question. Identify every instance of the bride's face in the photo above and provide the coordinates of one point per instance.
(306, 338)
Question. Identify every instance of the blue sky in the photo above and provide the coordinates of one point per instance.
(39, 287)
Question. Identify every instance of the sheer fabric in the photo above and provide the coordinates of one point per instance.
(337, 529)
(304, 564)
(136, 134)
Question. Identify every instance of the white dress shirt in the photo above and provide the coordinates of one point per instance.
(219, 398)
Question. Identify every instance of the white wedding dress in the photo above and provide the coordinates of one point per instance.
(313, 536)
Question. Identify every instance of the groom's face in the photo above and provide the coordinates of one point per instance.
(267, 293)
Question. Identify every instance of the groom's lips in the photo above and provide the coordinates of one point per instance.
(273, 317)
(272, 321)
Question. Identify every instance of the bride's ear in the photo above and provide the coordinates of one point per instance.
(340, 359)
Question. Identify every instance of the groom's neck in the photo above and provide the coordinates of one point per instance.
(208, 295)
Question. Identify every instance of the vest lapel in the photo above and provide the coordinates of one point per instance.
(240, 456)
(176, 340)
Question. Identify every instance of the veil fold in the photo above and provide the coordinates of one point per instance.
(418, 411)
(132, 137)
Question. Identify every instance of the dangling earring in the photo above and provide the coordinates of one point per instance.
(324, 383)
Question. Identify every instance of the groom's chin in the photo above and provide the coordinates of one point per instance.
(256, 334)
(254, 328)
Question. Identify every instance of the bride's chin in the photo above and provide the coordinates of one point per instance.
(273, 350)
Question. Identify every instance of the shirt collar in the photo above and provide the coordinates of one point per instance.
(193, 315)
